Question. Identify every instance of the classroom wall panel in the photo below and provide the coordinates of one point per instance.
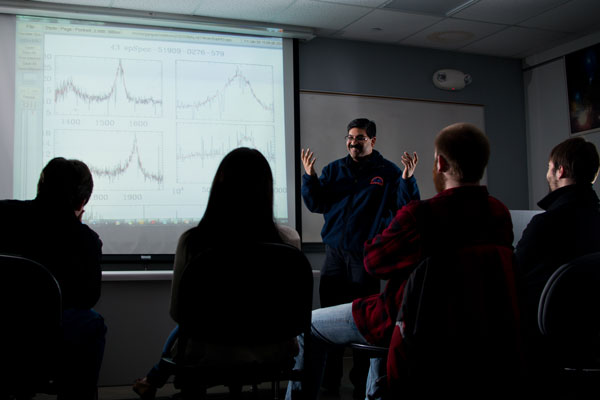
(376, 69)
(402, 125)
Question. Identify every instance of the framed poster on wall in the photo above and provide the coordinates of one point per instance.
(583, 88)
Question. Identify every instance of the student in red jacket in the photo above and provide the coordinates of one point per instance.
(463, 213)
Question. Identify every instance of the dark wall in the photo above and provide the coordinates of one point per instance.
(406, 72)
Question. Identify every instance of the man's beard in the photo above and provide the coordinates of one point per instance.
(438, 180)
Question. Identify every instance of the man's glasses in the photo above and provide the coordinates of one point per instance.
(360, 138)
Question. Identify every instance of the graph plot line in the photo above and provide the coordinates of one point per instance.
(112, 173)
(243, 139)
(243, 81)
(68, 86)
(198, 150)
(223, 91)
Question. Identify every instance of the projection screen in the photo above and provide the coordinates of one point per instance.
(151, 111)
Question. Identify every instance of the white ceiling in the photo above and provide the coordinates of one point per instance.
(506, 28)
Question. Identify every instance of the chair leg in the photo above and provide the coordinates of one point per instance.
(275, 387)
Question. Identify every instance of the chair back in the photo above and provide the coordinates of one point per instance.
(30, 305)
(460, 311)
(569, 310)
(257, 293)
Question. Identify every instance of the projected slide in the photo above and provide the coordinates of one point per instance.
(107, 87)
(137, 164)
(152, 112)
(201, 147)
(223, 91)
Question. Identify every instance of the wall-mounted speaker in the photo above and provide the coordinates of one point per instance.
(451, 79)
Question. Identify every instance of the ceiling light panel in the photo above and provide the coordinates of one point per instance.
(362, 3)
(319, 15)
(433, 7)
(257, 10)
(96, 3)
(175, 7)
(507, 12)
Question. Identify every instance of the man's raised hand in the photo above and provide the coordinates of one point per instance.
(410, 163)
(308, 160)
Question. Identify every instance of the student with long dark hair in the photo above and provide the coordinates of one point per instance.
(240, 209)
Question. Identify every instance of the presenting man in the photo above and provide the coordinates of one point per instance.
(48, 230)
(569, 228)
(461, 214)
(358, 195)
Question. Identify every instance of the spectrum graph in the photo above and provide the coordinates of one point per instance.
(224, 91)
(107, 87)
(135, 165)
(201, 147)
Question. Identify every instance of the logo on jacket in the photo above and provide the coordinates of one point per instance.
(377, 181)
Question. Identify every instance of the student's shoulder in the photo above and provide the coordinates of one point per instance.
(416, 208)
(193, 238)
(497, 205)
(89, 236)
(18, 210)
(289, 235)
(88, 231)
(13, 205)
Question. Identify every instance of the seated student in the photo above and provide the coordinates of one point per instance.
(462, 213)
(570, 226)
(240, 209)
(48, 230)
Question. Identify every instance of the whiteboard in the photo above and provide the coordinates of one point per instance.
(402, 125)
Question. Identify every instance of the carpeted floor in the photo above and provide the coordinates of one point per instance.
(168, 392)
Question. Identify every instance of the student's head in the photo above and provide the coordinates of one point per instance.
(462, 152)
(65, 183)
(360, 138)
(572, 161)
(241, 196)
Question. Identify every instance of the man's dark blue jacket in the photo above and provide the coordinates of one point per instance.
(358, 199)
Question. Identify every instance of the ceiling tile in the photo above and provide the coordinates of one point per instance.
(515, 42)
(506, 11)
(479, 27)
(434, 7)
(387, 26)
(452, 34)
(320, 15)
(172, 6)
(327, 32)
(256, 10)
(575, 16)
